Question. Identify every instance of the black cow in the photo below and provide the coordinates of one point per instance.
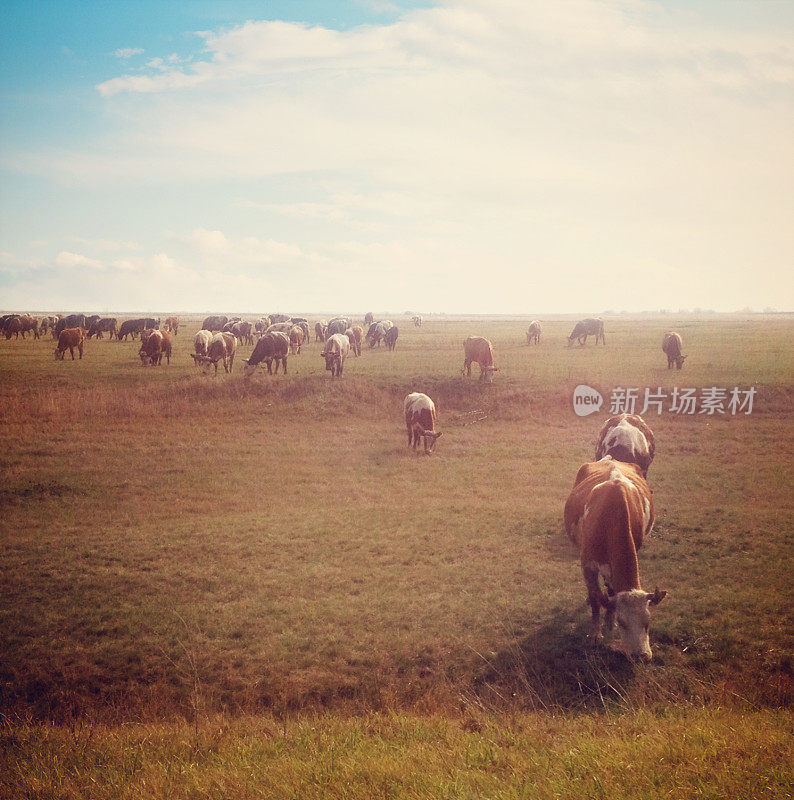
(390, 337)
(592, 326)
(270, 347)
(214, 322)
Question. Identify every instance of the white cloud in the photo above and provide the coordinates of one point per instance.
(70, 260)
(128, 52)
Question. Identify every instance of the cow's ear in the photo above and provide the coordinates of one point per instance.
(657, 596)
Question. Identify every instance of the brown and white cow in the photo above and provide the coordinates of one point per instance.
(476, 349)
(356, 336)
(154, 345)
(270, 347)
(171, 324)
(221, 347)
(533, 332)
(319, 330)
(69, 338)
(417, 320)
(103, 325)
(627, 438)
(201, 341)
(420, 420)
(671, 344)
(296, 337)
(592, 326)
(608, 514)
(335, 352)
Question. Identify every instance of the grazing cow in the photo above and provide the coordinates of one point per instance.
(417, 320)
(89, 321)
(70, 321)
(279, 318)
(154, 345)
(296, 337)
(201, 341)
(131, 328)
(104, 325)
(420, 420)
(377, 331)
(221, 348)
(262, 324)
(336, 325)
(335, 352)
(390, 337)
(475, 348)
(592, 326)
(627, 438)
(244, 331)
(356, 335)
(533, 332)
(171, 324)
(369, 318)
(270, 347)
(671, 344)
(69, 338)
(13, 326)
(214, 322)
(319, 330)
(608, 513)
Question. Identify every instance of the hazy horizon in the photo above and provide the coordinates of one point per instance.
(476, 156)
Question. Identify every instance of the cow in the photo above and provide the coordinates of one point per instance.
(369, 318)
(222, 347)
(336, 325)
(244, 331)
(89, 321)
(262, 324)
(104, 325)
(608, 514)
(417, 320)
(356, 336)
(592, 326)
(12, 326)
(391, 337)
(377, 331)
(533, 332)
(201, 342)
(171, 324)
(627, 438)
(475, 348)
(69, 338)
(133, 327)
(214, 322)
(70, 321)
(335, 352)
(420, 420)
(270, 347)
(296, 337)
(319, 330)
(279, 318)
(671, 344)
(154, 346)
(46, 324)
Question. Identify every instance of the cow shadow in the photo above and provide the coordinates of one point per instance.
(556, 667)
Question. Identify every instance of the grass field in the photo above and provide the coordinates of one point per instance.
(177, 547)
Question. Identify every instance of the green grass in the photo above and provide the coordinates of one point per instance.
(175, 546)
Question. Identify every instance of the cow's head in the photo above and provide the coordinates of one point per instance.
(330, 359)
(249, 369)
(58, 354)
(487, 373)
(430, 439)
(205, 362)
(632, 612)
(679, 362)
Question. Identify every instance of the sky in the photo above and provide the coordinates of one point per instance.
(467, 156)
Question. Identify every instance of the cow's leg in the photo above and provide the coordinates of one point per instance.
(284, 362)
(594, 599)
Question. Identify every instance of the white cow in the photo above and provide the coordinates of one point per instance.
(420, 420)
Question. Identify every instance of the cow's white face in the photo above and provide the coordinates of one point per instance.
(633, 616)
(487, 374)
(430, 439)
(145, 360)
(249, 369)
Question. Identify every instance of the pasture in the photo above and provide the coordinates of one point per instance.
(179, 549)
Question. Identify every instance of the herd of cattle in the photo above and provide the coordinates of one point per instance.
(608, 512)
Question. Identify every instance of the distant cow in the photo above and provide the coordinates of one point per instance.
(390, 337)
(154, 346)
(222, 347)
(671, 344)
(335, 352)
(171, 324)
(627, 438)
(104, 325)
(69, 339)
(262, 324)
(336, 325)
(319, 330)
(420, 420)
(296, 336)
(417, 320)
(270, 347)
(608, 514)
(214, 322)
(133, 327)
(533, 332)
(280, 327)
(70, 321)
(592, 326)
(201, 342)
(279, 318)
(89, 321)
(356, 336)
(369, 318)
(244, 331)
(477, 349)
